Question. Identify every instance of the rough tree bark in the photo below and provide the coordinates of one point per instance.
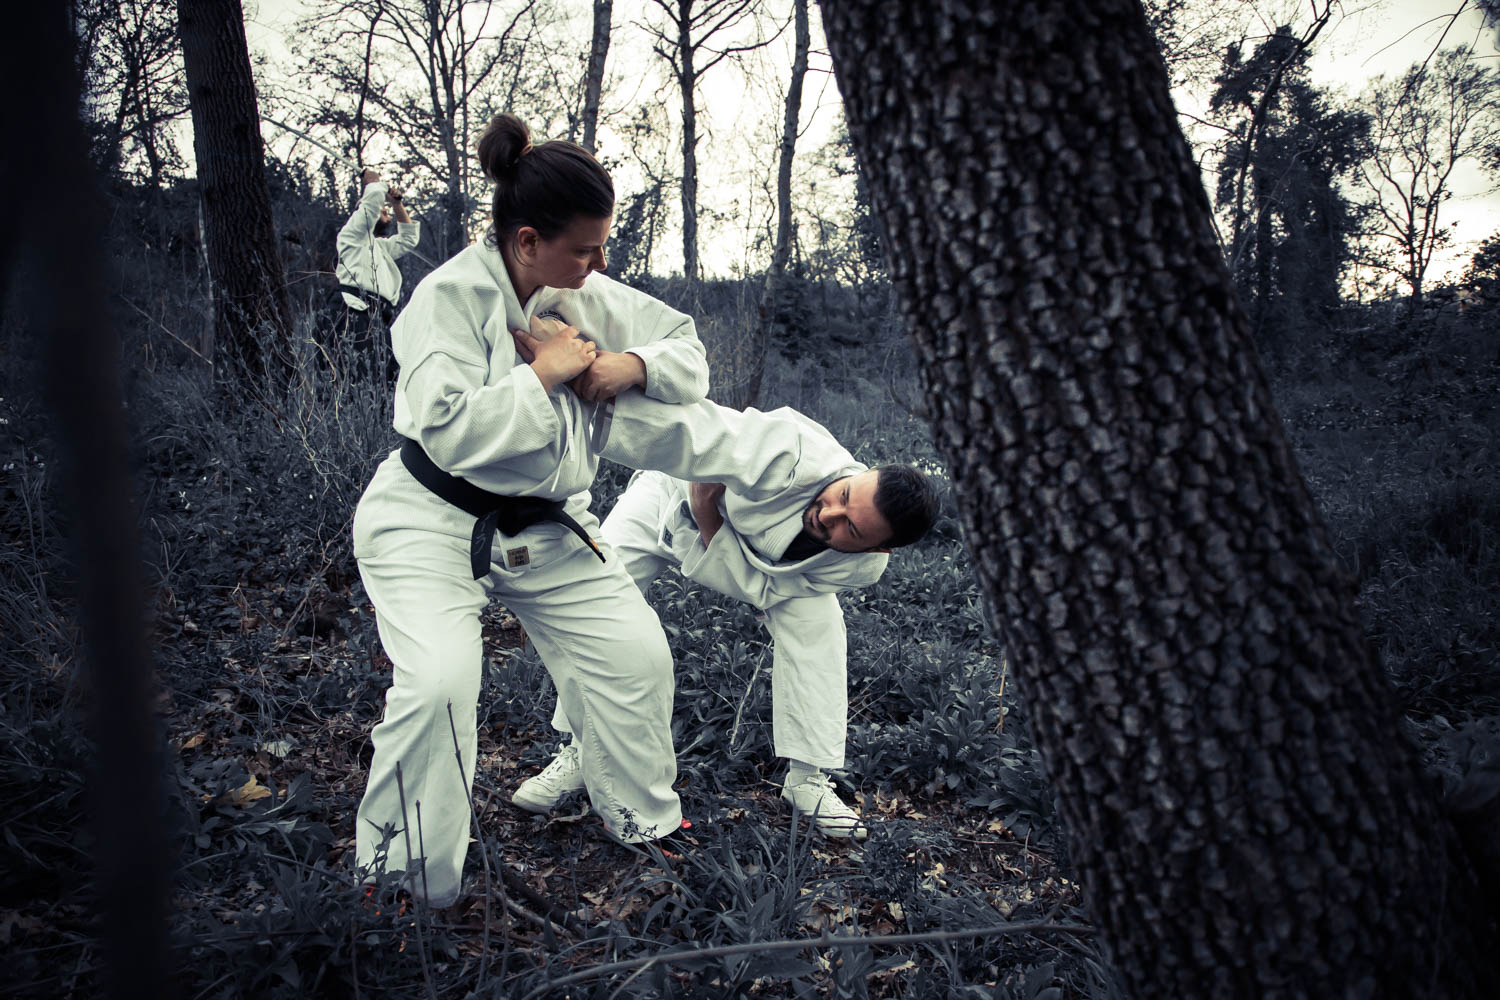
(593, 81)
(59, 229)
(1224, 747)
(802, 42)
(251, 325)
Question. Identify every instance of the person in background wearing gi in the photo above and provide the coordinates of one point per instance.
(807, 522)
(494, 441)
(369, 280)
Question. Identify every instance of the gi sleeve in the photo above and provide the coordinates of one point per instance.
(754, 454)
(721, 565)
(676, 363)
(461, 422)
(408, 235)
(354, 238)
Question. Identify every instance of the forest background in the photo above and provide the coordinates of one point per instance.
(1338, 217)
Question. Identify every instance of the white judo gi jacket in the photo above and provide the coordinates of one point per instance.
(368, 261)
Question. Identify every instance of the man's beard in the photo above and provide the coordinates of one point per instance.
(810, 521)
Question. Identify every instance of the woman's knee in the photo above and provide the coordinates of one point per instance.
(638, 662)
(442, 674)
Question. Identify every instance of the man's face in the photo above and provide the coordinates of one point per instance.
(844, 516)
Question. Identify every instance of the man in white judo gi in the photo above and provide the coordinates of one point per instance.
(800, 521)
(379, 232)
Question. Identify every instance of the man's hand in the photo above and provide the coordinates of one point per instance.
(609, 375)
(703, 501)
(555, 351)
(369, 177)
(392, 193)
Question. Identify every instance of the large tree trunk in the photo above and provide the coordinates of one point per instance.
(58, 226)
(251, 324)
(1222, 742)
(593, 81)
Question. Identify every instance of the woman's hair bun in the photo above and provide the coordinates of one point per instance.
(544, 187)
(501, 145)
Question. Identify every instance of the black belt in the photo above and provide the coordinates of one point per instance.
(366, 296)
(372, 300)
(508, 515)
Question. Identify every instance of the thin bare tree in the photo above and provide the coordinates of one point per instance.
(131, 60)
(782, 252)
(424, 71)
(593, 77)
(1222, 742)
(687, 43)
(1424, 123)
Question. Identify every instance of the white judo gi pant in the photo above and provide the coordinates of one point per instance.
(809, 669)
(602, 644)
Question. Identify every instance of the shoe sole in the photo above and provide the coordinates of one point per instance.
(855, 831)
(539, 806)
(536, 804)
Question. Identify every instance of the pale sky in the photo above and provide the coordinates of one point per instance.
(739, 112)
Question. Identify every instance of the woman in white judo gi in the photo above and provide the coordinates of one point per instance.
(493, 438)
(801, 521)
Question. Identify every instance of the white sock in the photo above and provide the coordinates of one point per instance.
(797, 771)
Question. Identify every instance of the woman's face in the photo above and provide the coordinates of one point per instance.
(570, 256)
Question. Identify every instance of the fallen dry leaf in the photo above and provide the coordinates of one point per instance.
(247, 793)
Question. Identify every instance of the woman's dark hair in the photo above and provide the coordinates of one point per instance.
(545, 187)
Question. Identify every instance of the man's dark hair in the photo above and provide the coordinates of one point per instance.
(385, 227)
(907, 500)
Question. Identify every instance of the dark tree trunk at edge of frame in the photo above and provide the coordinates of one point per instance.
(251, 321)
(59, 229)
(1223, 744)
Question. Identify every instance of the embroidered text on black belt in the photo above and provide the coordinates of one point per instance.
(510, 515)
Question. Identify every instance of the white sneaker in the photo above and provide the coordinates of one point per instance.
(540, 792)
(814, 795)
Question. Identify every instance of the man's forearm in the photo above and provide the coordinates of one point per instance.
(709, 520)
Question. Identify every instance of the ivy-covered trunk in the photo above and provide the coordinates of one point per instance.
(1223, 744)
